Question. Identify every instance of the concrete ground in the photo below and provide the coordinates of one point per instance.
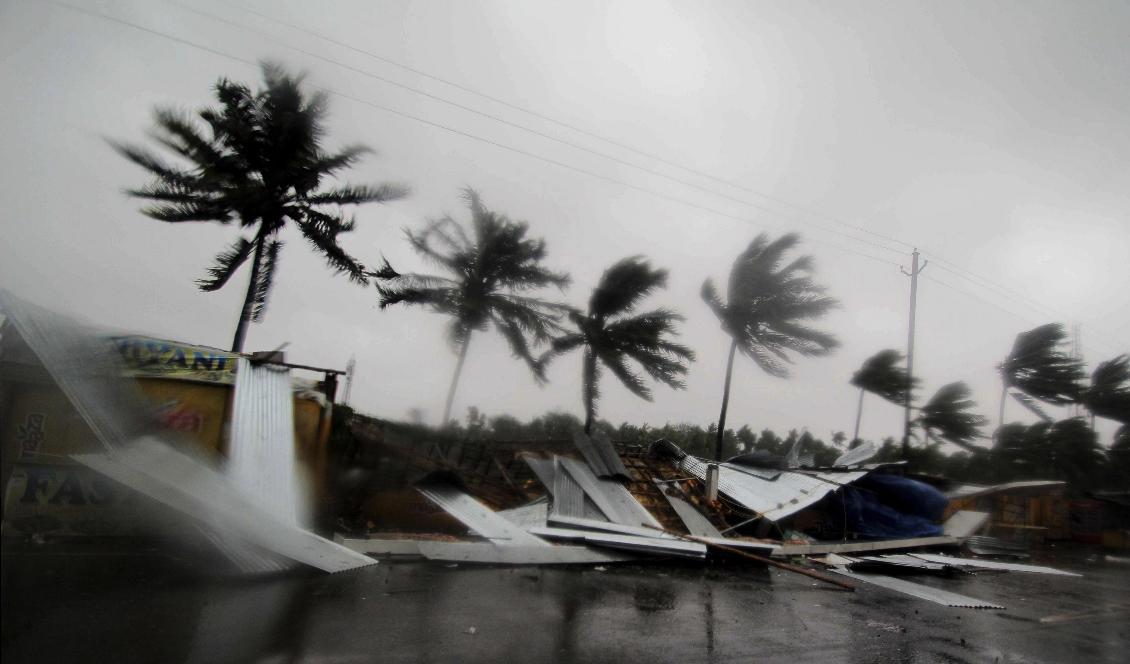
(144, 605)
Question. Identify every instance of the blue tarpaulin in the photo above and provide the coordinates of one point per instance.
(890, 507)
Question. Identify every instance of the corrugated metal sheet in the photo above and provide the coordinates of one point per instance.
(568, 496)
(943, 597)
(261, 452)
(185, 484)
(650, 545)
(600, 455)
(86, 367)
(476, 516)
(990, 564)
(696, 523)
(856, 455)
(483, 552)
(616, 502)
(774, 499)
(974, 490)
(963, 523)
(527, 516)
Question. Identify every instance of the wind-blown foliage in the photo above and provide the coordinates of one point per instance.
(256, 159)
(490, 271)
(947, 416)
(613, 336)
(882, 375)
(1038, 366)
(1108, 395)
(766, 307)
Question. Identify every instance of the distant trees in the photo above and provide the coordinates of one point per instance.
(614, 337)
(882, 375)
(257, 159)
(1108, 394)
(489, 270)
(766, 307)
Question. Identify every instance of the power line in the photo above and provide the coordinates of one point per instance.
(943, 263)
(536, 132)
(521, 151)
(471, 136)
(1011, 294)
(570, 126)
(1003, 309)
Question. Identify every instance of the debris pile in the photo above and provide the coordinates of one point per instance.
(590, 503)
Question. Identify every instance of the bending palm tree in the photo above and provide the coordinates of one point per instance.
(881, 375)
(1038, 367)
(490, 269)
(947, 415)
(766, 304)
(257, 159)
(1108, 395)
(611, 335)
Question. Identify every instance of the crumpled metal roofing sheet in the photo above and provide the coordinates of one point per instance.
(169, 476)
(774, 499)
(652, 545)
(261, 453)
(600, 455)
(526, 516)
(476, 516)
(616, 502)
(928, 593)
(485, 552)
(696, 523)
(973, 490)
(990, 564)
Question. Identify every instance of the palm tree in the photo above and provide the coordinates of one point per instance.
(1108, 395)
(881, 375)
(947, 416)
(612, 334)
(257, 159)
(490, 270)
(765, 309)
(1038, 366)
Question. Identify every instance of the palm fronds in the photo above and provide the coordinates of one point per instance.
(948, 415)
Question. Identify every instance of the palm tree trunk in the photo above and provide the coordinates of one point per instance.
(589, 389)
(249, 300)
(725, 402)
(858, 417)
(455, 380)
(1000, 417)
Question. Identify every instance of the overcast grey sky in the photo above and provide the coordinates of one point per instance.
(992, 135)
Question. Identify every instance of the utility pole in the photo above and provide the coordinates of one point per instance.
(915, 270)
(349, 369)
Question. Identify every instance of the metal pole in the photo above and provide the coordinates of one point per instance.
(915, 270)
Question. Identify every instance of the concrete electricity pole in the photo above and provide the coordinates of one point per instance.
(915, 270)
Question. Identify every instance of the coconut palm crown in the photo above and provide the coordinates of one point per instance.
(882, 375)
(1038, 366)
(256, 159)
(1108, 395)
(766, 307)
(615, 337)
(947, 415)
(489, 270)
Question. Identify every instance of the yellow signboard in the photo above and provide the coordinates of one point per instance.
(156, 358)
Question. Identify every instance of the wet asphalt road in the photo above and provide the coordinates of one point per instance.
(145, 606)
